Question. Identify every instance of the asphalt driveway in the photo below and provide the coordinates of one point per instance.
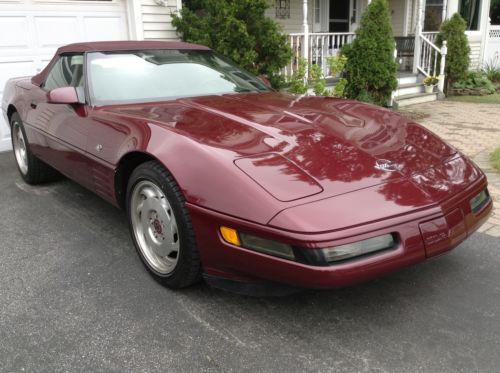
(75, 297)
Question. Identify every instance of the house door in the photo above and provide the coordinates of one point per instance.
(339, 16)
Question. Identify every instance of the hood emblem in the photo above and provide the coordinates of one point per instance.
(386, 165)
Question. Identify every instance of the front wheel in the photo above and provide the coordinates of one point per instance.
(32, 170)
(161, 226)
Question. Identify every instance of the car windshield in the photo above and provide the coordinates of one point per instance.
(155, 75)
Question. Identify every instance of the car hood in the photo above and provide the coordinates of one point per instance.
(297, 147)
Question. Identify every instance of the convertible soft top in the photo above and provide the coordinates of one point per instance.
(126, 45)
(122, 45)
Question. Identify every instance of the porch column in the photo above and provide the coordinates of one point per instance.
(444, 52)
(445, 10)
(418, 31)
(305, 30)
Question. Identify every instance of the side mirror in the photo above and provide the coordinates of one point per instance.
(63, 95)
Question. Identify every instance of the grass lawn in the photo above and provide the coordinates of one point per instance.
(495, 159)
(489, 99)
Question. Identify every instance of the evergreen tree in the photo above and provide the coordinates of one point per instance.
(457, 59)
(371, 69)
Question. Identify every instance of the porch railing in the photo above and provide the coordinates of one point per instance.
(321, 45)
(429, 58)
(431, 35)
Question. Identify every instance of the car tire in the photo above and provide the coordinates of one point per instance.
(32, 170)
(160, 226)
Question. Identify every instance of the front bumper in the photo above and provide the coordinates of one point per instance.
(421, 235)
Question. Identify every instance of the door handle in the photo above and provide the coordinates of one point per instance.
(33, 105)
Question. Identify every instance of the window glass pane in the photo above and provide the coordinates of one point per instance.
(469, 10)
(433, 18)
(495, 12)
(67, 71)
(154, 75)
(433, 15)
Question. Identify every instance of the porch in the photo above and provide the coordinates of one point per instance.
(319, 46)
(318, 29)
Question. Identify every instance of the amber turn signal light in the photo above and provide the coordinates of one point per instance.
(230, 235)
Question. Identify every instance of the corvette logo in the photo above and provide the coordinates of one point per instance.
(386, 165)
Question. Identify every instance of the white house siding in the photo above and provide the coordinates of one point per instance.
(475, 54)
(294, 23)
(397, 11)
(157, 20)
(411, 13)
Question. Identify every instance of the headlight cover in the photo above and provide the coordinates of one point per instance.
(266, 246)
(263, 245)
(351, 250)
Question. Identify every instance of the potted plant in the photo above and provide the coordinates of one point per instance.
(430, 82)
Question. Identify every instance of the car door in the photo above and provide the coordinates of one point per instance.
(61, 128)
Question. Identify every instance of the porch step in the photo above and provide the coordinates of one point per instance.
(407, 78)
(409, 89)
(415, 98)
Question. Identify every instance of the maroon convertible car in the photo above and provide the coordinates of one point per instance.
(223, 177)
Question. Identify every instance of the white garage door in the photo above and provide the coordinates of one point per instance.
(32, 30)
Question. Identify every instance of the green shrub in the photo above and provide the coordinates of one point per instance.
(318, 81)
(370, 69)
(239, 30)
(475, 81)
(457, 59)
(491, 70)
(298, 82)
(337, 66)
(495, 159)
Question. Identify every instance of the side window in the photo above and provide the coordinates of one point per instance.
(67, 72)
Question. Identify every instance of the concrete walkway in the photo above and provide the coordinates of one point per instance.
(472, 128)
